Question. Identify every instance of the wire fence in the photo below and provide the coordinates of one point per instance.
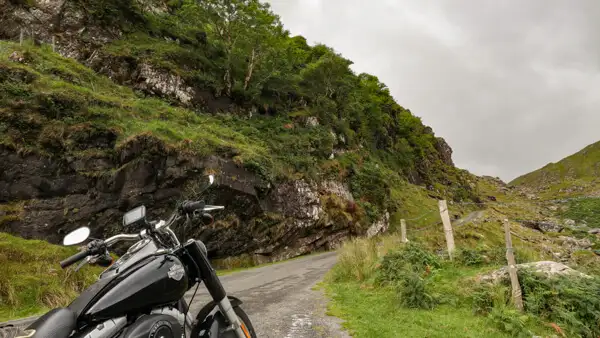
(542, 219)
(26, 34)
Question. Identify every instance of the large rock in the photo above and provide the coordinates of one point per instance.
(574, 244)
(380, 226)
(543, 226)
(546, 268)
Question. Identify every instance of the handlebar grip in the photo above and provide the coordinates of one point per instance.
(74, 259)
(189, 206)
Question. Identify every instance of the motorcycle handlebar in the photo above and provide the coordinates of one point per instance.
(74, 259)
(189, 207)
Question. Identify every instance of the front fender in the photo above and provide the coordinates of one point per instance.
(208, 308)
(209, 321)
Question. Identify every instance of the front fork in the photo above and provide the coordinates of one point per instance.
(218, 294)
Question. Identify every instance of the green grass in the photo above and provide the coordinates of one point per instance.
(587, 209)
(376, 313)
(372, 307)
(370, 311)
(31, 280)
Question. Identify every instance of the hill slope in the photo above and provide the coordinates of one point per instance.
(575, 175)
(575, 178)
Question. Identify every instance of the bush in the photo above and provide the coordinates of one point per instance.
(412, 258)
(408, 271)
(413, 292)
(510, 321)
(572, 303)
(469, 257)
(494, 302)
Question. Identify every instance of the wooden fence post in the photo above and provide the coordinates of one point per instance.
(512, 269)
(21, 37)
(403, 230)
(447, 227)
(53, 44)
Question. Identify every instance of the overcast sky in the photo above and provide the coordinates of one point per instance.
(511, 85)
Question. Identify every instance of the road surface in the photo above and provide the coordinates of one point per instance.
(279, 298)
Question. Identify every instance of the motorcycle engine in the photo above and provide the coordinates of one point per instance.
(154, 326)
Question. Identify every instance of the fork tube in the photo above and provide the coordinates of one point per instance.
(218, 294)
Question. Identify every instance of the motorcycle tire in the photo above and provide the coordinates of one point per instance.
(218, 322)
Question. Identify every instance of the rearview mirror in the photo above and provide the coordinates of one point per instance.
(135, 216)
(76, 236)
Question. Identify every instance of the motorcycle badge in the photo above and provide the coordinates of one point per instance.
(176, 272)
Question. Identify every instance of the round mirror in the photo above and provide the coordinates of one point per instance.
(76, 236)
(211, 179)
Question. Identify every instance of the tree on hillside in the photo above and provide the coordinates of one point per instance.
(249, 34)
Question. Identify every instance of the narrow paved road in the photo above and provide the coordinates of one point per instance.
(279, 298)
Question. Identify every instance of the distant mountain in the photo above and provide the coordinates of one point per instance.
(574, 176)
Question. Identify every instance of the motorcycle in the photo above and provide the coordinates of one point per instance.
(142, 293)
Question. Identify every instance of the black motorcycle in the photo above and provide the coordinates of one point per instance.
(142, 293)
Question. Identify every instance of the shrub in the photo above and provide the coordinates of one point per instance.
(412, 258)
(510, 321)
(572, 303)
(413, 292)
(408, 271)
(469, 257)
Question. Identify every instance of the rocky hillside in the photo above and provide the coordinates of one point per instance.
(574, 182)
(575, 175)
(143, 98)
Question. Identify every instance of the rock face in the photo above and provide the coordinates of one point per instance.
(547, 268)
(44, 198)
(445, 151)
(81, 33)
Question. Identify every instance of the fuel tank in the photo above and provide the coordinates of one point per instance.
(153, 281)
(133, 259)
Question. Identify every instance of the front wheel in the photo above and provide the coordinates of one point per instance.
(210, 322)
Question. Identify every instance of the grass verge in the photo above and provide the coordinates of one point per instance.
(383, 288)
